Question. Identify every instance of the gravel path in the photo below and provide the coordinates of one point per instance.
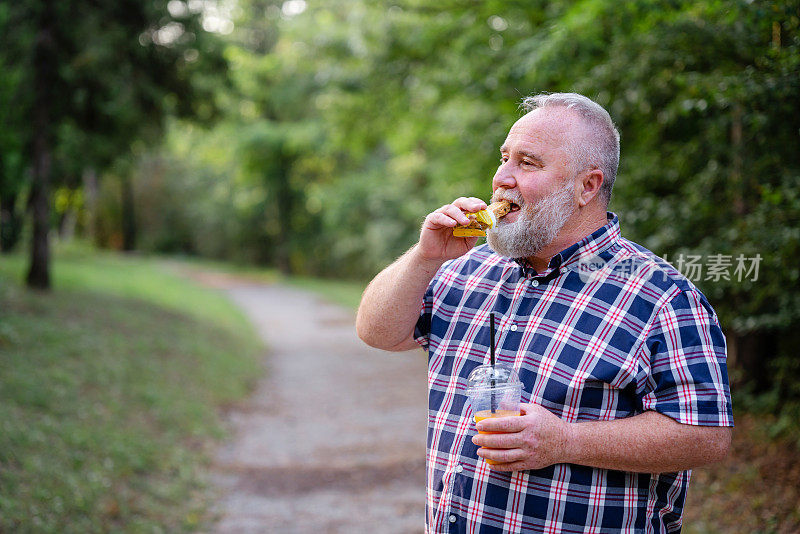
(333, 438)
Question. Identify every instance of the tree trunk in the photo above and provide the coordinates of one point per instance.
(39, 272)
(44, 75)
(67, 224)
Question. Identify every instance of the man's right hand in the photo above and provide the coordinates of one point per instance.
(436, 240)
(391, 303)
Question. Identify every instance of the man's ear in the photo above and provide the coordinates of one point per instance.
(590, 183)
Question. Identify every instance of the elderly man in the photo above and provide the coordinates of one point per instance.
(622, 359)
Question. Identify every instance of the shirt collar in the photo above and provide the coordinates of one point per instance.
(591, 245)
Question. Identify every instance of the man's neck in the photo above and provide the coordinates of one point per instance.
(576, 228)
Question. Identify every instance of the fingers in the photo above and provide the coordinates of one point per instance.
(501, 424)
(454, 212)
(502, 456)
(497, 441)
(452, 215)
(438, 219)
(469, 204)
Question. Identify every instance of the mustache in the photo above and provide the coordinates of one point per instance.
(515, 197)
(512, 196)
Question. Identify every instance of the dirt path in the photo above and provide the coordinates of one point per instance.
(333, 439)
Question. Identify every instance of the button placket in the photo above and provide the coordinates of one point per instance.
(516, 301)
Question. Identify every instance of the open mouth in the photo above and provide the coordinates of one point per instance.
(514, 207)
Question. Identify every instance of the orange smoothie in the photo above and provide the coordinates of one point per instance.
(487, 414)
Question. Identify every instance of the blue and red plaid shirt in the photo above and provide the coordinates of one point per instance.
(608, 331)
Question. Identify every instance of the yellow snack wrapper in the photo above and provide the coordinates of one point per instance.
(468, 232)
(483, 219)
(480, 221)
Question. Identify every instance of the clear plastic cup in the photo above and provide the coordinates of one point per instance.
(494, 391)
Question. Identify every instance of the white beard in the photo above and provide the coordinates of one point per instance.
(536, 226)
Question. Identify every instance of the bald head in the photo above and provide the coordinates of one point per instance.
(590, 138)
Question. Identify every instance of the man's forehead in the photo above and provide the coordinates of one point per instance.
(543, 125)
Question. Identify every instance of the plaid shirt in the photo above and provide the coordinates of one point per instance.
(608, 331)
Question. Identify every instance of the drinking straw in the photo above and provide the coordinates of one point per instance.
(492, 400)
(491, 339)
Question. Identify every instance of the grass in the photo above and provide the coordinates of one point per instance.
(110, 388)
(343, 292)
(151, 279)
(346, 293)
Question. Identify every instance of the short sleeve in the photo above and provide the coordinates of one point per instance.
(688, 377)
(422, 330)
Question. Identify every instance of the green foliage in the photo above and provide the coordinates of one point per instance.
(88, 82)
(343, 292)
(345, 124)
(348, 125)
(711, 88)
(109, 395)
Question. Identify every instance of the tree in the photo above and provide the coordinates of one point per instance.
(45, 64)
(102, 76)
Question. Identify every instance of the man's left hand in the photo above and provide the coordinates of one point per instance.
(534, 440)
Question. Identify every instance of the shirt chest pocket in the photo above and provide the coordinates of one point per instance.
(583, 387)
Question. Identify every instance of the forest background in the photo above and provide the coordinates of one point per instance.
(314, 137)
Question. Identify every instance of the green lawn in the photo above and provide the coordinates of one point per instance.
(344, 292)
(110, 389)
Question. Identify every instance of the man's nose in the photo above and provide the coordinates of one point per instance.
(503, 178)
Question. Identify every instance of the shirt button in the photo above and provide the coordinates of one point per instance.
(535, 283)
(453, 518)
(513, 328)
(459, 468)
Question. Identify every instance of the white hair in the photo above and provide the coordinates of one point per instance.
(537, 225)
(600, 148)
